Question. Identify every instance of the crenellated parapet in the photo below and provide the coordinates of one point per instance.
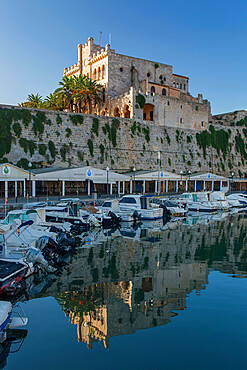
(72, 70)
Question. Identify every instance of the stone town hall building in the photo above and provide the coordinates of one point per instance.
(140, 89)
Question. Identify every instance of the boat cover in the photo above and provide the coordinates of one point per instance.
(4, 229)
(8, 268)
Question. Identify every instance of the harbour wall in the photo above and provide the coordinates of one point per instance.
(60, 139)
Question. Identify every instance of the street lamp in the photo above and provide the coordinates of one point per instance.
(29, 187)
(189, 173)
(107, 173)
(158, 172)
(232, 174)
(181, 181)
(134, 180)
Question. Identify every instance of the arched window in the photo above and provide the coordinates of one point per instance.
(174, 84)
(163, 91)
(116, 112)
(148, 112)
(126, 111)
(95, 74)
(177, 85)
(184, 87)
(181, 86)
(152, 89)
(103, 71)
(99, 73)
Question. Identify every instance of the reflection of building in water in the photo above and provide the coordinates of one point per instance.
(106, 310)
(122, 285)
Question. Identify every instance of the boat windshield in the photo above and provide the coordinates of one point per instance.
(13, 216)
(194, 196)
(127, 200)
(107, 205)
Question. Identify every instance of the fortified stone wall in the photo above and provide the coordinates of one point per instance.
(230, 118)
(62, 139)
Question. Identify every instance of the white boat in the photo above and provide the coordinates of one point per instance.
(239, 197)
(112, 205)
(140, 204)
(71, 212)
(218, 198)
(25, 229)
(171, 208)
(8, 320)
(194, 204)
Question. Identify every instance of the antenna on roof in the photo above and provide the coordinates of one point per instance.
(100, 34)
(109, 38)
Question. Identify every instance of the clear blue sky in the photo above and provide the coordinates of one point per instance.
(205, 40)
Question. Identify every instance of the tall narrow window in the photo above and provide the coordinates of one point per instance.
(163, 91)
(99, 73)
(103, 71)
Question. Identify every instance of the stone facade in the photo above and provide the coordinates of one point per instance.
(167, 98)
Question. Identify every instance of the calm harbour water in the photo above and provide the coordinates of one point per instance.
(153, 297)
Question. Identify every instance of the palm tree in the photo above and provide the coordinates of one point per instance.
(52, 101)
(35, 101)
(64, 92)
(91, 94)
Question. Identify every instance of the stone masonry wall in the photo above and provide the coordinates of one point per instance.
(136, 144)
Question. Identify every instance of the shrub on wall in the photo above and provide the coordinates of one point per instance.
(146, 133)
(23, 163)
(28, 145)
(240, 146)
(52, 149)
(95, 126)
(90, 147)
(69, 132)
(42, 149)
(140, 100)
(76, 118)
(133, 128)
(112, 131)
(58, 119)
(38, 123)
(80, 155)
(17, 129)
(63, 152)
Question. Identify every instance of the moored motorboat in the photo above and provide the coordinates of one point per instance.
(192, 203)
(140, 204)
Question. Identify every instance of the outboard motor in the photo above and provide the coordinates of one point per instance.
(45, 242)
(54, 229)
(35, 256)
(114, 217)
(63, 240)
(166, 212)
